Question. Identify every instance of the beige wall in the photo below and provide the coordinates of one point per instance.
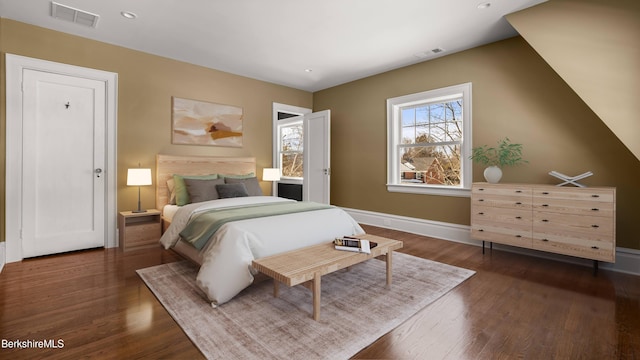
(515, 94)
(594, 45)
(146, 84)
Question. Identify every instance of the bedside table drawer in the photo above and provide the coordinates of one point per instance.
(142, 234)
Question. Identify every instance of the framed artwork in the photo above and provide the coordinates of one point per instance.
(197, 122)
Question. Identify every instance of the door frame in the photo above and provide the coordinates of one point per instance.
(288, 109)
(15, 65)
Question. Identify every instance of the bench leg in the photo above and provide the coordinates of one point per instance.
(389, 267)
(316, 296)
(276, 288)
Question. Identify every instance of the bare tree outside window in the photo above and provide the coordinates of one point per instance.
(291, 153)
(430, 151)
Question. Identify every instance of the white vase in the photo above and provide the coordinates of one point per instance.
(493, 174)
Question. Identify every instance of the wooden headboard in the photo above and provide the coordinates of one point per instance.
(167, 165)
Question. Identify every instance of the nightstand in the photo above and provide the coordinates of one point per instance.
(139, 230)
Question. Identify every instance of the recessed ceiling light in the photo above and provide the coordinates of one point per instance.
(308, 70)
(484, 5)
(128, 14)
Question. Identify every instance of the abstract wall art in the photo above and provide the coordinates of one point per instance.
(197, 122)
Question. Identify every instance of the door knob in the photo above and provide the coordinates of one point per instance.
(98, 171)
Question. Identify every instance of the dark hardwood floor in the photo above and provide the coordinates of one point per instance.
(515, 306)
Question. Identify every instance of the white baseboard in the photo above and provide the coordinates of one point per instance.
(627, 260)
(2, 255)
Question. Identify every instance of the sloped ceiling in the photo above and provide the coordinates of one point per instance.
(594, 45)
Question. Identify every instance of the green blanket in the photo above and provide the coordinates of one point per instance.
(203, 225)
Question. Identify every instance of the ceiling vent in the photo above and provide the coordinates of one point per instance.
(74, 15)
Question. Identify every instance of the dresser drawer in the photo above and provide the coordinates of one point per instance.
(581, 194)
(516, 197)
(580, 247)
(571, 206)
(500, 190)
(586, 227)
(502, 235)
(487, 215)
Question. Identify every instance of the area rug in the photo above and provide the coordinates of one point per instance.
(356, 309)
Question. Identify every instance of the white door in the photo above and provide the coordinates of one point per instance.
(317, 157)
(64, 140)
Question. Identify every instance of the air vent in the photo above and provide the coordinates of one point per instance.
(81, 17)
(437, 50)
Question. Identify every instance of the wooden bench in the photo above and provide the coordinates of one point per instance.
(307, 265)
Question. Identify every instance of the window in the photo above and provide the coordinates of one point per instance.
(429, 142)
(290, 148)
(288, 152)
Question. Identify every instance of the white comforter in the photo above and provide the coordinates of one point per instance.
(226, 267)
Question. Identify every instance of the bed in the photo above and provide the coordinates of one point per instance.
(223, 235)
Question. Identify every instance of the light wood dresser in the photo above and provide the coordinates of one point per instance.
(571, 221)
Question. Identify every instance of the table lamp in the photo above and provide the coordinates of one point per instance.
(270, 174)
(139, 177)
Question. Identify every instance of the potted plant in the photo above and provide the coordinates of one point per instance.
(495, 158)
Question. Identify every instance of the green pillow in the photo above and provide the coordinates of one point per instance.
(180, 188)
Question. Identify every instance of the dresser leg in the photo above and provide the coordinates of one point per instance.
(595, 267)
(490, 246)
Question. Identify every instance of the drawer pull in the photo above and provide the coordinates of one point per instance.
(595, 226)
(595, 209)
(545, 193)
(595, 196)
(518, 203)
(518, 191)
(480, 200)
(545, 240)
(545, 205)
(480, 230)
(545, 220)
(518, 236)
(480, 213)
(518, 217)
(480, 189)
(595, 248)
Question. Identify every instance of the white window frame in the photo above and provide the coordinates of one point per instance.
(394, 137)
(285, 123)
(289, 109)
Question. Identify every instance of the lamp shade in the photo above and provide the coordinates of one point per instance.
(138, 177)
(270, 174)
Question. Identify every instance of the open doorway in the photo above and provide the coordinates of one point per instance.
(301, 150)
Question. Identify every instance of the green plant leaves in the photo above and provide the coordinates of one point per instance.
(505, 154)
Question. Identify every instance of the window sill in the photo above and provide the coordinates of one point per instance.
(431, 190)
(290, 180)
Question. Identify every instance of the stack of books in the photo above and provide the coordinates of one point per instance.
(349, 243)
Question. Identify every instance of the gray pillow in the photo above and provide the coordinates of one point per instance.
(200, 190)
(251, 183)
(232, 190)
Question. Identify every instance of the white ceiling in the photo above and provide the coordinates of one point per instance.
(276, 40)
